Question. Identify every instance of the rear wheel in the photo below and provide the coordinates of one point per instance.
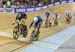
(55, 22)
(25, 31)
(46, 25)
(37, 36)
(50, 24)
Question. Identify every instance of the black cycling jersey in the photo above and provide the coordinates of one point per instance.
(21, 15)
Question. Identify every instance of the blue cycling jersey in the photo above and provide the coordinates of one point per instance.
(47, 14)
(38, 22)
(39, 18)
(56, 15)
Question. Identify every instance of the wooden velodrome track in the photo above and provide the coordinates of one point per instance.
(11, 45)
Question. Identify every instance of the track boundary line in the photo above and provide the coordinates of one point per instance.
(18, 48)
(45, 45)
(9, 35)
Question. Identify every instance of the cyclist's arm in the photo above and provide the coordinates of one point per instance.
(31, 24)
(25, 16)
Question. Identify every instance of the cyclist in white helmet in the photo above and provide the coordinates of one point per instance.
(56, 18)
(37, 21)
(68, 16)
(48, 19)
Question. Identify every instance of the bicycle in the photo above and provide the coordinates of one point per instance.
(56, 22)
(20, 29)
(47, 24)
(34, 36)
(68, 20)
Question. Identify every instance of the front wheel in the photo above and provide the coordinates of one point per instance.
(15, 33)
(32, 36)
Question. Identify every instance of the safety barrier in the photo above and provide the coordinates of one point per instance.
(40, 7)
(6, 10)
(16, 10)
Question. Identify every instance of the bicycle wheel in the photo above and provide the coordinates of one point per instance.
(32, 36)
(46, 25)
(55, 22)
(36, 36)
(50, 24)
(15, 33)
(25, 31)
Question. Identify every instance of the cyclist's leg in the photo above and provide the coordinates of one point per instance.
(15, 30)
(55, 22)
(33, 32)
(50, 22)
(68, 20)
(39, 25)
(46, 21)
(38, 31)
(23, 21)
(19, 27)
(35, 26)
(15, 25)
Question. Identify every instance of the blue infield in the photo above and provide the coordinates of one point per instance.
(60, 37)
(38, 48)
(56, 40)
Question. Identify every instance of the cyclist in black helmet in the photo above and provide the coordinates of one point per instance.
(20, 21)
(21, 17)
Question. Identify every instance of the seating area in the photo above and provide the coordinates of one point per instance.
(25, 3)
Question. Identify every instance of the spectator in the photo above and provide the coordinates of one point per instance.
(8, 4)
(25, 3)
(40, 4)
(1, 4)
(4, 6)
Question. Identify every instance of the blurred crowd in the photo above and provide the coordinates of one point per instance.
(25, 3)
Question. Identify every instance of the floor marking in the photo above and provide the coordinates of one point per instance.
(45, 45)
(11, 36)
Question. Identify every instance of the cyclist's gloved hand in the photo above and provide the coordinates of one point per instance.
(13, 23)
(29, 27)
